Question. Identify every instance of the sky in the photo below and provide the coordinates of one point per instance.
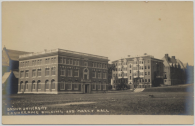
(111, 29)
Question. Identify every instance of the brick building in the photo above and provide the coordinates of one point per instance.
(140, 72)
(62, 71)
(174, 71)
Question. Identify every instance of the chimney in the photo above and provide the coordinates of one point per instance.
(166, 55)
(173, 57)
(129, 55)
(145, 53)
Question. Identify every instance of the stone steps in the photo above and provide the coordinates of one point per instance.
(139, 89)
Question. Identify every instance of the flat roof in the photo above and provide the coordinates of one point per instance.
(61, 50)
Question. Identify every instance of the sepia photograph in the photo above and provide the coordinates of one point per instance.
(97, 62)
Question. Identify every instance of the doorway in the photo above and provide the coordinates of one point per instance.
(86, 88)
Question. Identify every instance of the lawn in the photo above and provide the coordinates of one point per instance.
(117, 103)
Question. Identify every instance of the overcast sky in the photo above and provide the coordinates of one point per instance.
(111, 29)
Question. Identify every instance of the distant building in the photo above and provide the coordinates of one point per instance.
(174, 71)
(62, 71)
(189, 74)
(140, 72)
(10, 67)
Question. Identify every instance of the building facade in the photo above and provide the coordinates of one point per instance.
(62, 71)
(139, 72)
(174, 71)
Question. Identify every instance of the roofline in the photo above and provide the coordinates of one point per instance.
(61, 50)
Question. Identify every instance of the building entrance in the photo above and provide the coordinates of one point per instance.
(86, 88)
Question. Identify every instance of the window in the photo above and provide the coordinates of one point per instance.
(105, 65)
(69, 73)
(130, 77)
(85, 63)
(62, 71)
(125, 74)
(104, 86)
(64, 60)
(33, 73)
(145, 73)
(21, 73)
(130, 66)
(77, 63)
(27, 73)
(21, 85)
(95, 64)
(94, 74)
(130, 71)
(145, 80)
(33, 85)
(142, 67)
(26, 85)
(76, 86)
(104, 75)
(145, 67)
(76, 73)
(61, 60)
(99, 75)
(148, 61)
(148, 67)
(99, 86)
(47, 61)
(148, 80)
(39, 84)
(68, 61)
(71, 62)
(46, 84)
(74, 62)
(69, 86)
(100, 65)
(39, 72)
(148, 73)
(46, 71)
(62, 85)
(93, 86)
(53, 84)
(53, 71)
(54, 60)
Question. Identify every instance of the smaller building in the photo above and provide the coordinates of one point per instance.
(174, 71)
(10, 67)
(138, 72)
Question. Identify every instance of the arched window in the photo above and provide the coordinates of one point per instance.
(33, 85)
(26, 85)
(21, 85)
(46, 84)
(85, 74)
(39, 84)
(53, 84)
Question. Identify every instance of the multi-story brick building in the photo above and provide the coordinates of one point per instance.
(62, 71)
(174, 71)
(141, 71)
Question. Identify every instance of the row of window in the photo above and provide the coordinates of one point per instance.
(38, 62)
(63, 85)
(37, 72)
(141, 67)
(141, 73)
(135, 74)
(99, 65)
(34, 85)
(69, 61)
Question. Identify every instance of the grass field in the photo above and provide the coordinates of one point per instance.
(178, 102)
